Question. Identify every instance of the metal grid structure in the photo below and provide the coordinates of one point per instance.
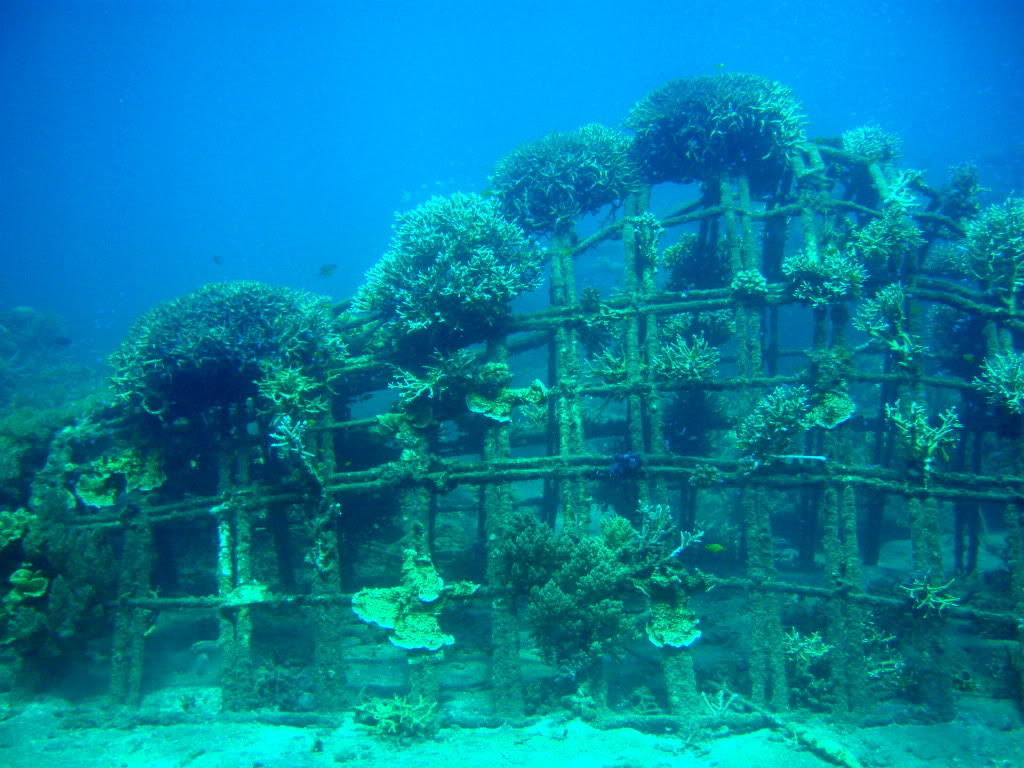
(846, 481)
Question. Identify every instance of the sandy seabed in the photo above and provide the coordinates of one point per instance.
(52, 733)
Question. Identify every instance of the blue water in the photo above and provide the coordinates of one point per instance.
(148, 147)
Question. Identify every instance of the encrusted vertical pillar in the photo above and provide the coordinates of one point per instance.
(565, 372)
(644, 421)
(329, 615)
(845, 627)
(496, 500)
(131, 623)
(768, 682)
(235, 630)
(680, 682)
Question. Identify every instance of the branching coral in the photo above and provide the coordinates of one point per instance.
(995, 249)
(214, 346)
(698, 128)
(825, 277)
(548, 183)
(689, 360)
(1002, 380)
(452, 268)
(885, 244)
(883, 318)
(925, 443)
(872, 142)
(577, 614)
(767, 433)
(400, 718)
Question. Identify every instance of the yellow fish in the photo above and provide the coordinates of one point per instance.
(716, 548)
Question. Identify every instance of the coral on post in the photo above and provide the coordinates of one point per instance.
(452, 268)
(224, 343)
(873, 142)
(826, 277)
(698, 128)
(1002, 381)
(767, 433)
(995, 249)
(546, 184)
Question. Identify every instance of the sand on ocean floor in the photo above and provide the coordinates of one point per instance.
(52, 734)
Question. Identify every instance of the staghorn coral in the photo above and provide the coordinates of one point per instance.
(995, 249)
(1002, 381)
(214, 346)
(767, 433)
(826, 277)
(686, 359)
(452, 268)
(698, 128)
(887, 243)
(883, 317)
(925, 443)
(400, 718)
(874, 143)
(545, 184)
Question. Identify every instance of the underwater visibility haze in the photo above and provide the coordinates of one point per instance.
(517, 384)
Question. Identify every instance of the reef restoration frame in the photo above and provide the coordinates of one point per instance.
(879, 447)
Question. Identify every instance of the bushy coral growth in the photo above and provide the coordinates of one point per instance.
(452, 268)
(697, 128)
(825, 277)
(1002, 381)
(547, 183)
(874, 143)
(578, 613)
(217, 344)
(995, 248)
(769, 430)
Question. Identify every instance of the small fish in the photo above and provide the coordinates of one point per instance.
(326, 270)
(714, 548)
(217, 259)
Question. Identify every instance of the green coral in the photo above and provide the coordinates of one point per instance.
(749, 286)
(768, 432)
(400, 718)
(524, 553)
(14, 524)
(548, 183)
(411, 610)
(214, 346)
(698, 128)
(288, 390)
(578, 614)
(1002, 380)
(832, 410)
(101, 482)
(925, 442)
(672, 622)
(995, 248)
(872, 142)
(883, 318)
(27, 585)
(452, 268)
(822, 278)
(689, 360)
(498, 406)
(887, 243)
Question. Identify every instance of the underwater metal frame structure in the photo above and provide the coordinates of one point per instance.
(834, 488)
